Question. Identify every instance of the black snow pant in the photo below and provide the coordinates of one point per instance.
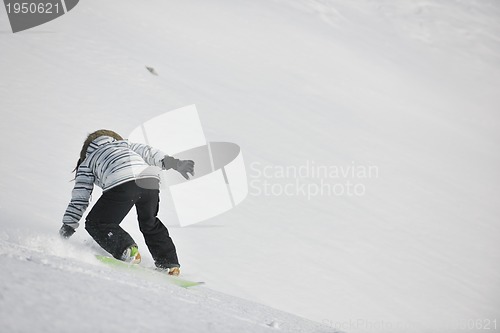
(103, 223)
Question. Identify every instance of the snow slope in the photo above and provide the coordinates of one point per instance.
(58, 287)
(407, 87)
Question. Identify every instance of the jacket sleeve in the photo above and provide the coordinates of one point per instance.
(80, 197)
(150, 155)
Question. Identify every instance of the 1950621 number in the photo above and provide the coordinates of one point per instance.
(477, 324)
(33, 8)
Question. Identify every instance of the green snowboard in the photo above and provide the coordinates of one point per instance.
(123, 265)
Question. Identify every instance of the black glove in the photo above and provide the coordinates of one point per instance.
(185, 167)
(182, 166)
(66, 231)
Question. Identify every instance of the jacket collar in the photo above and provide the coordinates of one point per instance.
(98, 143)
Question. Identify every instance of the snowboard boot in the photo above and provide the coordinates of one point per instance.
(131, 255)
(175, 271)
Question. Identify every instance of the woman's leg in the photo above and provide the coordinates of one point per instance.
(103, 221)
(155, 233)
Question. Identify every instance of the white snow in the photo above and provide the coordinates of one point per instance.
(410, 87)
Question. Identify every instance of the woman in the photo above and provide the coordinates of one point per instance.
(127, 175)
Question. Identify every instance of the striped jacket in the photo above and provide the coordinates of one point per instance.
(109, 163)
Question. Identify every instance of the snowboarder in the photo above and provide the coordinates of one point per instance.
(124, 172)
